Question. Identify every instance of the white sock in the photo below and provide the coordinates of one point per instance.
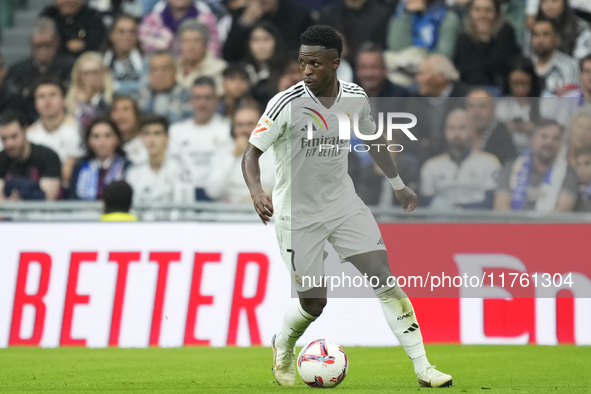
(402, 320)
(295, 322)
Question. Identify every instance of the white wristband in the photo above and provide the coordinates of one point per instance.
(396, 183)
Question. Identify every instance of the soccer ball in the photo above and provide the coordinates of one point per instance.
(322, 364)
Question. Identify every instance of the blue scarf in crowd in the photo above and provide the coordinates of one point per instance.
(425, 26)
(88, 178)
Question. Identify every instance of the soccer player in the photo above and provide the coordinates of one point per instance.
(314, 201)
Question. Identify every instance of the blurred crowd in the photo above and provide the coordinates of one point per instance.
(164, 94)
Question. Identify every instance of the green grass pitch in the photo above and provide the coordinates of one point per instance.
(476, 369)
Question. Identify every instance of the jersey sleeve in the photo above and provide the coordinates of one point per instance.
(367, 125)
(271, 124)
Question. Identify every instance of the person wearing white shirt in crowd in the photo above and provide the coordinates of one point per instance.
(126, 115)
(197, 140)
(196, 60)
(226, 182)
(125, 62)
(557, 69)
(159, 179)
(463, 177)
(55, 129)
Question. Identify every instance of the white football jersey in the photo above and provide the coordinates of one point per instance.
(65, 140)
(197, 145)
(450, 183)
(312, 183)
(168, 185)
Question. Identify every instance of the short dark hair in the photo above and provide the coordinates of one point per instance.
(543, 123)
(324, 36)
(583, 60)
(583, 150)
(204, 81)
(555, 27)
(50, 80)
(11, 115)
(120, 16)
(117, 197)
(372, 47)
(99, 120)
(235, 70)
(150, 119)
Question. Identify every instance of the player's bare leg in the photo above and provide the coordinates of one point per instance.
(298, 316)
(401, 317)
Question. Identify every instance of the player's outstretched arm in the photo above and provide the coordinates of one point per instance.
(382, 158)
(252, 175)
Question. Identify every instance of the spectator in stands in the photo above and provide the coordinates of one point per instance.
(371, 184)
(8, 99)
(117, 198)
(237, 90)
(126, 115)
(233, 7)
(80, 27)
(424, 24)
(521, 110)
(159, 27)
(486, 49)
(533, 6)
(292, 74)
(464, 176)
(539, 179)
(164, 96)
(158, 180)
(491, 135)
(128, 68)
(264, 60)
(359, 21)
(562, 109)
(371, 73)
(196, 60)
(103, 163)
(575, 33)
(578, 133)
(555, 68)
(91, 90)
(45, 60)
(583, 167)
(440, 91)
(27, 171)
(226, 182)
(584, 92)
(196, 140)
(55, 129)
(438, 77)
(290, 21)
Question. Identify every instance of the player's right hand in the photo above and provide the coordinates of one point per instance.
(264, 206)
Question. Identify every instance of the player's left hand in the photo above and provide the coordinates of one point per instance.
(407, 197)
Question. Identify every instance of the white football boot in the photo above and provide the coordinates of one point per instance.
(430, 377)
(284, 368)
